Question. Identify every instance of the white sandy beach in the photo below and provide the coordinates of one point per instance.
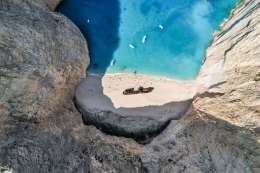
(165, 90)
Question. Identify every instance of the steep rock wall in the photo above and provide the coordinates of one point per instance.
(221, 131)
(43, 57)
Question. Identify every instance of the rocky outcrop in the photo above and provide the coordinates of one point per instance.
(43, 57)
(29, 4)
(229, 75)
(221, 131)
(38, 68)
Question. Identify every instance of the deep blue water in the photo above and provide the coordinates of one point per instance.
(159, 37)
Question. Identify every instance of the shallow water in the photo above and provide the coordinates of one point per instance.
(159, 37)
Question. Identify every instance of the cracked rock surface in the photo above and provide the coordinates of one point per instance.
(43, 57)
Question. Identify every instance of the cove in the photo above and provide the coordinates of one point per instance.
(155, 37)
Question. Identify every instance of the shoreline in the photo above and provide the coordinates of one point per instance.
(166, 90)
(137, 74)
(101, 101)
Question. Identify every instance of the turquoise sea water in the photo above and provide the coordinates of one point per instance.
(158, 37)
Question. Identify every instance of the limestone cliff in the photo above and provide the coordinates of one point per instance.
(43, 57)
(221, 131)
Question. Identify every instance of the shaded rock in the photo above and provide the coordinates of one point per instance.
(203, 144)
(29, 4)
(130, 122)
(37, 64)
(140, 121)
(43, 56)
(62, 143)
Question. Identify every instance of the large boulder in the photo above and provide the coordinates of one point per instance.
(43, 56)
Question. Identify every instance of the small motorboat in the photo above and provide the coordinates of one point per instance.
(161, 27)
(131, 46)
(144, 39)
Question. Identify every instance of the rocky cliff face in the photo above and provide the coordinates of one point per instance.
(221, 131)
(29, 4)
(38, 68)
(43, 57)
(231, 70)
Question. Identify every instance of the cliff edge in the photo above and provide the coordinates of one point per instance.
(221, 131)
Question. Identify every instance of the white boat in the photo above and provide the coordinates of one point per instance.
(144, 38)
(161, 27)
(113, 62)
(131, 46)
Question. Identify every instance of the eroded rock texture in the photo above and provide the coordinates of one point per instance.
(221, 131)
(43, 57)
(29, 4)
